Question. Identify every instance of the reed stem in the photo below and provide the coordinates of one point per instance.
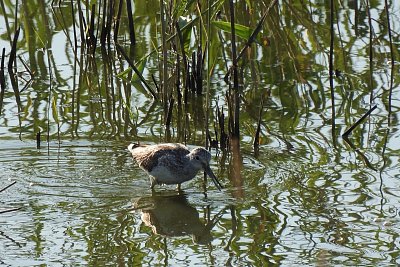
(13, 52)
(350, 130)
(164, 55)
(8, 186)
(392, 61)
(131, 23)
(236, 104)
(332, 89)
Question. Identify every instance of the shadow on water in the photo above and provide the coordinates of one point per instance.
(171, 215)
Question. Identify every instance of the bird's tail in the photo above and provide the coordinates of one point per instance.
(131, 147)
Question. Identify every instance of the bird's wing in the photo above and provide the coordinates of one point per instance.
(150, 156)
(171, 161)
(172, 156)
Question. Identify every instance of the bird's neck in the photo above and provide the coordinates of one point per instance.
(190, 171)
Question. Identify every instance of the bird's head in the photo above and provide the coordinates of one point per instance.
(200, 159)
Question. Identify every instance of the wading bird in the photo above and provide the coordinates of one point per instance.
(172, 163)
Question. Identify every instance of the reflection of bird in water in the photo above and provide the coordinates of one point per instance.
(172, 216)
(172, 163)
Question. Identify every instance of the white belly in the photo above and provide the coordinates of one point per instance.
(164, 176)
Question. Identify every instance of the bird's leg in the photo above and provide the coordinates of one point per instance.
(153, 183)
(178, 187)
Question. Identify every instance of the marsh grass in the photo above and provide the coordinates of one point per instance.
(194, 39)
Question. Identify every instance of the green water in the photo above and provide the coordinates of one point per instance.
(305, 198)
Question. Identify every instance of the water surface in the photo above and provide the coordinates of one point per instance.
(306, 197)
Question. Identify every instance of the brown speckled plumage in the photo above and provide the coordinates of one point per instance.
(147, 156)
(172, 163)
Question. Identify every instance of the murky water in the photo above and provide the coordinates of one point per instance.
(305, 198)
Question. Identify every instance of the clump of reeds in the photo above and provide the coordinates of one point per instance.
(101, 23)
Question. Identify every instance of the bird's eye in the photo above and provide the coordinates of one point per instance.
(197, 158)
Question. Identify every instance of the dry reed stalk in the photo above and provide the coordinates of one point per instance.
(2, 79)
(350, 130)
(13, 52)
(131, 23)
(256, 142)
(117, 21)
(236, 104)
(127, 58)
(331, 71)
(392, 61)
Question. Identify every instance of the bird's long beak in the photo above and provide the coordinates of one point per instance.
(213, 177)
